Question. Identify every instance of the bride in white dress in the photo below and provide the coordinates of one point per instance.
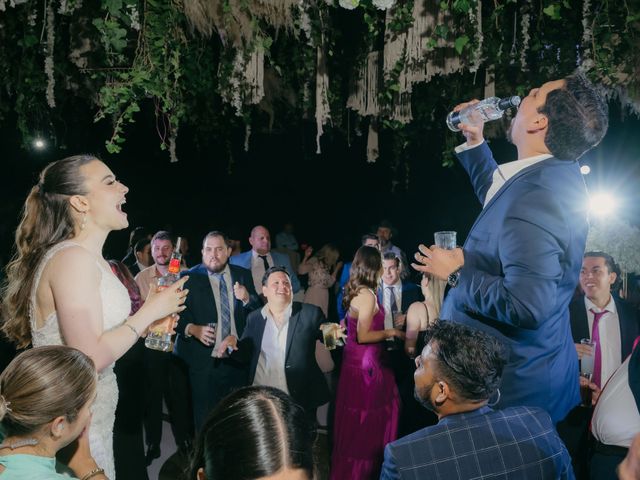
(60, 290)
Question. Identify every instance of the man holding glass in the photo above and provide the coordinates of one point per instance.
(517, 271)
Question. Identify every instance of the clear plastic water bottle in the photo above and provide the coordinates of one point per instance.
(159, 337)
(491, 108)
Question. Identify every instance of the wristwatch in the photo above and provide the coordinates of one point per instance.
(453, 278)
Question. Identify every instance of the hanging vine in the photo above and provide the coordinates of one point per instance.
(218, 65)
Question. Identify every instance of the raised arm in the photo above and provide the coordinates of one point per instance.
(74, 279)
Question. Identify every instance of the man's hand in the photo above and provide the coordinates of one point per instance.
(399, 320)
(595, 389)
(229, 343)
(583, 350)
(204, 333)
(240, 292)
(437, 261)
(473, 133)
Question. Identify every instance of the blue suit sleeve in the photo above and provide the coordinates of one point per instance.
(389, 467)
(295, 282)
(480, 165)
(531, 247)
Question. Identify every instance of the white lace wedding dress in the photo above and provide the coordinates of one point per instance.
(115, 310)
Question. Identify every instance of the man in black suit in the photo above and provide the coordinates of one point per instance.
(618, 324)
(220, 297)
(279, 343)
(614, 332)
(396, 295)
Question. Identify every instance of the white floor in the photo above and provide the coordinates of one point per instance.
(167, 448)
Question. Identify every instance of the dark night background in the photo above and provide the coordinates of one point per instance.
(335, 196)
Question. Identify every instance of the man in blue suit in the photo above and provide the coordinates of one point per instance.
(517, 271)
(260, 258)
(457, 373)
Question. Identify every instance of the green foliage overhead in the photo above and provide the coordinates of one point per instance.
(117, 55)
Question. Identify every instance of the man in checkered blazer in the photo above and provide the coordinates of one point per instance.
(457, 374)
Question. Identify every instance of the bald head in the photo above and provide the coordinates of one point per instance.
(260, 240)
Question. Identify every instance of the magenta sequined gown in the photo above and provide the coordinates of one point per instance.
(367, 407)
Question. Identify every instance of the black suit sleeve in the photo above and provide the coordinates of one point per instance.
(186, 316)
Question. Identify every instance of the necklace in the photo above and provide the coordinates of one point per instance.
(19, 443)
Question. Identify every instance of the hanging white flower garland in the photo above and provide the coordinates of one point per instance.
(349, 4)
(48, 61)
(587, 36)
(476, 17)
(383, 4)
(525, 20)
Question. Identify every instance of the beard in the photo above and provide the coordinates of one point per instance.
(216, 268)
(424, 397)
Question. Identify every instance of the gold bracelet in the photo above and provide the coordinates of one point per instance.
(135, 332)
(93, 473)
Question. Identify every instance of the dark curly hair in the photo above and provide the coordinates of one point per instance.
(578, 118)
(471, 361)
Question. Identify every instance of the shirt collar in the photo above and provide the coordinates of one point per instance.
(610, 307)
(465, 415)
(255, 254)
(266, 313)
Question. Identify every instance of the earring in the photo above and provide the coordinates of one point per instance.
(84, 221)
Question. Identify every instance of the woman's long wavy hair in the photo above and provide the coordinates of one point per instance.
(365, 273)
(254, 432)
(47, 219)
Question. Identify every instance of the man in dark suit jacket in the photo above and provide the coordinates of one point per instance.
(213, 378)
(618, 327)
(261, 257)
(518, 268)
(457, 373)
(279, 343)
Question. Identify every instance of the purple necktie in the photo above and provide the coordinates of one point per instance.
(595, 338)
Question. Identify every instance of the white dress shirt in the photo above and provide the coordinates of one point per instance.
(386, 301)
(609, 332)
(257, 269)
(616, 419)
(270, 368)
(505, 171)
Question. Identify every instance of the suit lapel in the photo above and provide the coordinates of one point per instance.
(508, 183)
(293, 324)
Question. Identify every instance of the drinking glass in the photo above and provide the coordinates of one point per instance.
(214, 326)
(586, 362)
(445, 239)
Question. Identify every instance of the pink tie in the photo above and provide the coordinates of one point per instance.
(595, 337)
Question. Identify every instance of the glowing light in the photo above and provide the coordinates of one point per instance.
(39, 144)
(585, 169)
(602, 204)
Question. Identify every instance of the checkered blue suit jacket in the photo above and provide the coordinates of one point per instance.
(518, 443)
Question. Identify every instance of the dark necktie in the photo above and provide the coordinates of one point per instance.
(225, 309)
(595, 338)
(264, 260)
(393, 306)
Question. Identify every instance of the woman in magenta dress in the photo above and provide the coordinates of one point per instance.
(367, 402)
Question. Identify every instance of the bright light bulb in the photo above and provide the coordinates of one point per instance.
(585, 169)
(39, 143)
(602, 204)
